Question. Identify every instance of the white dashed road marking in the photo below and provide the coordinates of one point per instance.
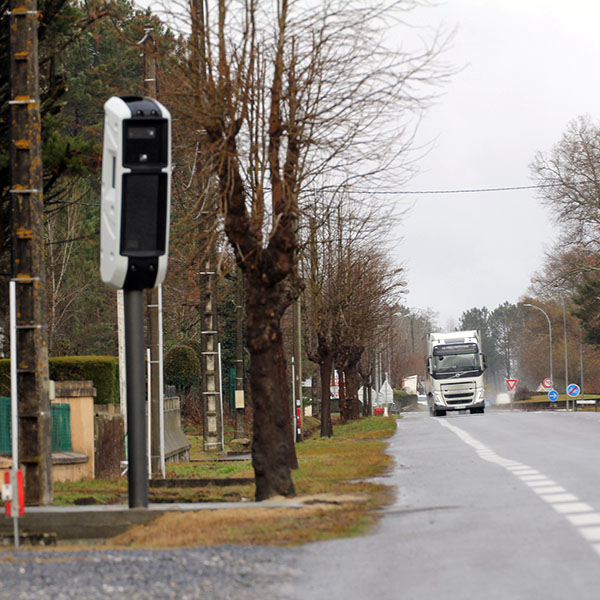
(580, 514)
(549, 489)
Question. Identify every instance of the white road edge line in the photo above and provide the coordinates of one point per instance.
(580, 514)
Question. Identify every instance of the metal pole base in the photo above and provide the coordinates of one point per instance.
(136, 399)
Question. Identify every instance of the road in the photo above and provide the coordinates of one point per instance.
(504, 505)
(501, 506)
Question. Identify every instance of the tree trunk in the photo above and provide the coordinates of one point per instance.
(342, 394)
(351, 404)
(366, 396)
(325, 366)
(273, 450)
(353, 375)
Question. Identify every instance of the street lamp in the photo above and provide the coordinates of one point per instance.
(549, 335)
(566, 359)
(536, 280)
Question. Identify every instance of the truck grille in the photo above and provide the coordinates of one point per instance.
(459, 400)
(459, 393)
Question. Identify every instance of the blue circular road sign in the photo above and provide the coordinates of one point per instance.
(573, 390)
(553, 395)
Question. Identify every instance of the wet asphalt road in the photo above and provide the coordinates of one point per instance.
(496, 506)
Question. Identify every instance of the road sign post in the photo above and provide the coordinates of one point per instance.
(573, 390)
(511, 384)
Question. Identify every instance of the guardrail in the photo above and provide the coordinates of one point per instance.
(545, 404)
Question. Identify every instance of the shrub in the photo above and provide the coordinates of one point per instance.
(103, 371)
(182, 368)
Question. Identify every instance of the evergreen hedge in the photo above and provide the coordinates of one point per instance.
(103, 371)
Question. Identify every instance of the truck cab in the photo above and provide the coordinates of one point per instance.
(455, 366)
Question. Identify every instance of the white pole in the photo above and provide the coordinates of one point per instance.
(12, 292)
(294, 399)
(149, 409)
(161, 384)
(13, 372)
(221, 398)
(122, 366)
(566, 357)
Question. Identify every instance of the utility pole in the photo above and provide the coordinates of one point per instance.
(211, 382)
(27, 230)
(152, 296)
(297, 352)
(239, 356)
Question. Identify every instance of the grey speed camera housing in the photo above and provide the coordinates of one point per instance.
(136, 191)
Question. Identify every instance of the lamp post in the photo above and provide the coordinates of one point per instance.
(566, 358)
(549, 334)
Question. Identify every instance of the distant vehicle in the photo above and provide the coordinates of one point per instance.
(455, 366)
(503, 398)
(410, 384)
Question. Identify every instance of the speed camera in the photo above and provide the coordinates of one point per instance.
(136, 190)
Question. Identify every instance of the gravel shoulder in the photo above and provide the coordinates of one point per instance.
(218, 573)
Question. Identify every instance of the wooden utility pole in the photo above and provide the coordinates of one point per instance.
(152, 295)
(27, 226)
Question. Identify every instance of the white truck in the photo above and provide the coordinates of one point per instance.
(454, 372)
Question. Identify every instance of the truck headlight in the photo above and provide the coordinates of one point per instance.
(480, 395)
(437, 397)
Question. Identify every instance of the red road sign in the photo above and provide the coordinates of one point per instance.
(547, 383)
(512, 384)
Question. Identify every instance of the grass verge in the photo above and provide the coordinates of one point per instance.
(332, 482)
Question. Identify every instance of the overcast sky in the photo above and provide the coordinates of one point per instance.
(530, 67)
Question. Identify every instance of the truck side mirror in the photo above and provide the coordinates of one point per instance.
(484, 360)
(428, 364)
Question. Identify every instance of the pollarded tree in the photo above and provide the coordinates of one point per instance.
(340, 302)
(284, 93)
(371, 289)
(320, 308)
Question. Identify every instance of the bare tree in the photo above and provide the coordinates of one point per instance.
(285, 94)
(409, 342)
(570, 180)
(349, 282)
(371, 285)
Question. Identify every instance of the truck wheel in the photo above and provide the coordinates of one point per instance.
(477, 411)
(439, 413)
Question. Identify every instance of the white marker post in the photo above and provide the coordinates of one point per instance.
(14, 504)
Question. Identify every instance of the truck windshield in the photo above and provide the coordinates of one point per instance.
(456, 360)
